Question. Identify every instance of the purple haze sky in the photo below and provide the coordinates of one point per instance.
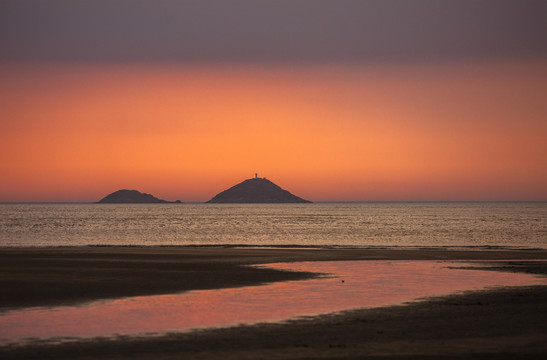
(273, 31)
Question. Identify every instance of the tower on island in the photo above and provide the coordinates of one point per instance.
(256, 191)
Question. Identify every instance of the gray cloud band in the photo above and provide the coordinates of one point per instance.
(277, 31)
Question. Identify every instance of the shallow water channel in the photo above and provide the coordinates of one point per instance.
(346, 285)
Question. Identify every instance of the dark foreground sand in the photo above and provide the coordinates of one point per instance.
(508, 323)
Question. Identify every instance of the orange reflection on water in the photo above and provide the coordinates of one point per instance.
(352, 284)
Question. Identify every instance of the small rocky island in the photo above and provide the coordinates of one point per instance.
(133, 197)
(255, 191)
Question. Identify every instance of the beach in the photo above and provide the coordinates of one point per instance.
(309, 179)
(499, 323)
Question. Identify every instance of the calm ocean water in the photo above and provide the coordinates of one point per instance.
(521, 225)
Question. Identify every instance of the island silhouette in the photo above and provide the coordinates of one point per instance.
(133, 197)
(256, 190)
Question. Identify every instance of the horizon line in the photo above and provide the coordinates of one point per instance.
(312, 202)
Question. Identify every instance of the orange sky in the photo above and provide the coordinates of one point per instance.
(450, 132)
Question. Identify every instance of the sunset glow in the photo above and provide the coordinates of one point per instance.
(192, 178)
(452, 132)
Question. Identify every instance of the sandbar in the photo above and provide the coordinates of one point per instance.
(501, 323)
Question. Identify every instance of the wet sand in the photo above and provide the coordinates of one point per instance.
(506, 323)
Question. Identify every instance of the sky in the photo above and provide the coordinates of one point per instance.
(332, 100)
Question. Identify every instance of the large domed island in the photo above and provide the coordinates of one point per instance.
(133, 197)
(256, 191)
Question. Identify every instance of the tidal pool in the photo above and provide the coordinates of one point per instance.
(346, 285)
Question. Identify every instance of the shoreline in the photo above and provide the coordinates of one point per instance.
(495, 323)
(72, 275)
(284, 246)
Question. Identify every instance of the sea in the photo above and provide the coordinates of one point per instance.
(468, 225)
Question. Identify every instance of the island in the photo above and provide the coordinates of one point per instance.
(133, 197)
(254, 191)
